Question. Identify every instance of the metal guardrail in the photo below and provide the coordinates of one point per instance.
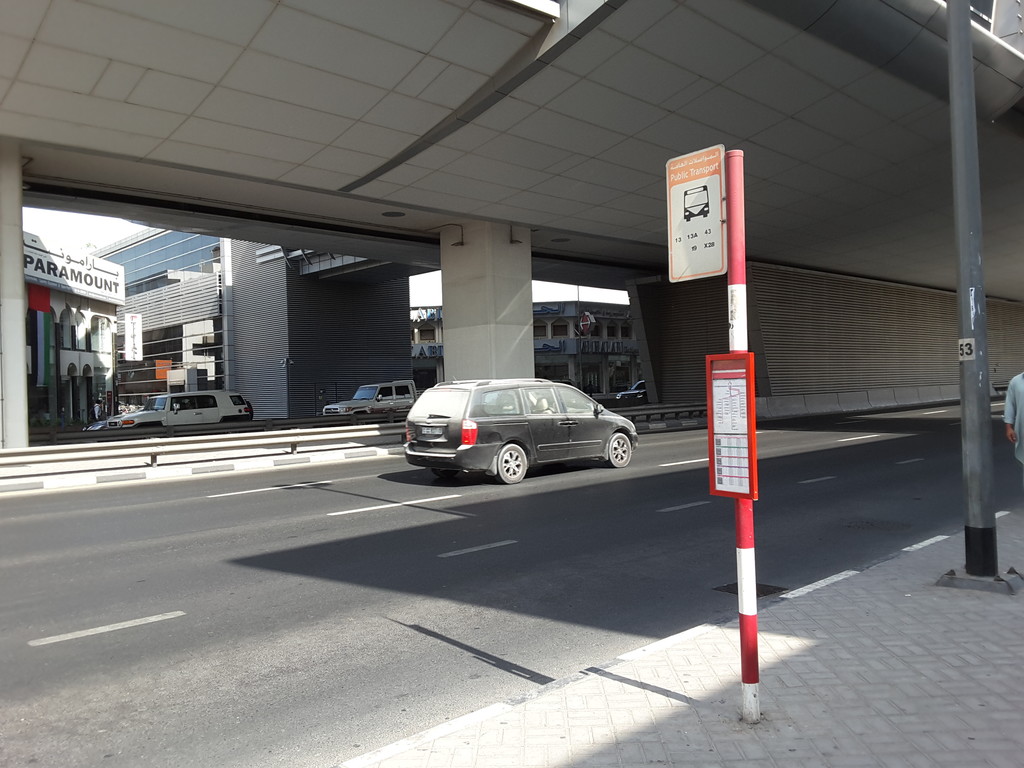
(291, 434)
(56, 436)
(155, 446)
(647, 412)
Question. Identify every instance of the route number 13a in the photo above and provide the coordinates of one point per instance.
(966, 349)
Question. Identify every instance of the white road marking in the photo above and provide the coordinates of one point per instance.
(925, 543)
(858, 437)
(820, 584)
(271, 488)
(395, 504)
(685, 506)
(480, 548)
(932, 413)
(678, 463)
(909, 461)
(816, 480)
(107, 628)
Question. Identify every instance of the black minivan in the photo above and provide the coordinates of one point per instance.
(504, 426)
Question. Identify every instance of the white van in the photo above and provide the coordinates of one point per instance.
(207, 407)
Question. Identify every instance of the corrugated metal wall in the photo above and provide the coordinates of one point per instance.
(344, 334)
(682, 323)
(261, 334)
(1005, 340)
(829, 333)
(301, 342)
(817, 333)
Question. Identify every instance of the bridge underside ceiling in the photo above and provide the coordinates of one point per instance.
(306, 124)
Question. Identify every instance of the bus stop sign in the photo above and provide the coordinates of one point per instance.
(696, 235)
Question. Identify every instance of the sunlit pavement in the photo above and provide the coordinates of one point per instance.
(873, 668)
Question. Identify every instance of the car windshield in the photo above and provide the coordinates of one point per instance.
(365, 393)
(155, 403)
(440, 404)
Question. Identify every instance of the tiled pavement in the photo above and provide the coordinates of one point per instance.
(873, 668)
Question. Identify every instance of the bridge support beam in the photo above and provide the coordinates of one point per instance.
(13, 304)
(486, 284)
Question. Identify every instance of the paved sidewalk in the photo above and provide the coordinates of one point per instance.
(872, 668)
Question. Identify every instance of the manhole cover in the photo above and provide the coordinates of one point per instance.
(763, 590)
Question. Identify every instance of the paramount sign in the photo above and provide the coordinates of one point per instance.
(85, 276)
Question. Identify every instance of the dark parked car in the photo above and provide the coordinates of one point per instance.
(636, 394)
(504, 426)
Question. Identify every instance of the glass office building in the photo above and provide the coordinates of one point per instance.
(174, 280)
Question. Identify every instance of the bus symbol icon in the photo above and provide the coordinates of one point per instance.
(695, 203)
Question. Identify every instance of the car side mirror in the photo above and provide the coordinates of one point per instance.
(598, 409)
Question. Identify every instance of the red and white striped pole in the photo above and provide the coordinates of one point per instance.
(746, 581)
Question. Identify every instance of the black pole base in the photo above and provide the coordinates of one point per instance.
(980, 544)
(1009, 583)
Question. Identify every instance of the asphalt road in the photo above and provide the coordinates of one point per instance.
(304, 616)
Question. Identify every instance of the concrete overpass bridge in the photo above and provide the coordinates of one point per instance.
(504, 140)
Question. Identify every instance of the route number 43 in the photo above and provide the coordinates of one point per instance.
(966, 349)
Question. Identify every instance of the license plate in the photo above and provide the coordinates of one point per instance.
(431, 430)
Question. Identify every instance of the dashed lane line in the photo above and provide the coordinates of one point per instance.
(925, 543)
(819, 584)
(680, 463)
(271, 488)
(684, 506)
(106, 628)
(482, 547)
(392, 505)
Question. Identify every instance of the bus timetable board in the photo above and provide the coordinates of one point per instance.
(732, 431)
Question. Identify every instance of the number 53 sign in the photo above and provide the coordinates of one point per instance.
(966, 349)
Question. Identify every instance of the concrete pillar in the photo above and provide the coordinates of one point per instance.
(13, 303)
(486, 284)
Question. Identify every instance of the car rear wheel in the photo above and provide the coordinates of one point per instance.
(620, 450)
(511, 464)
(446, 474)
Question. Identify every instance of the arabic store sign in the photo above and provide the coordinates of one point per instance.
(85, 276)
